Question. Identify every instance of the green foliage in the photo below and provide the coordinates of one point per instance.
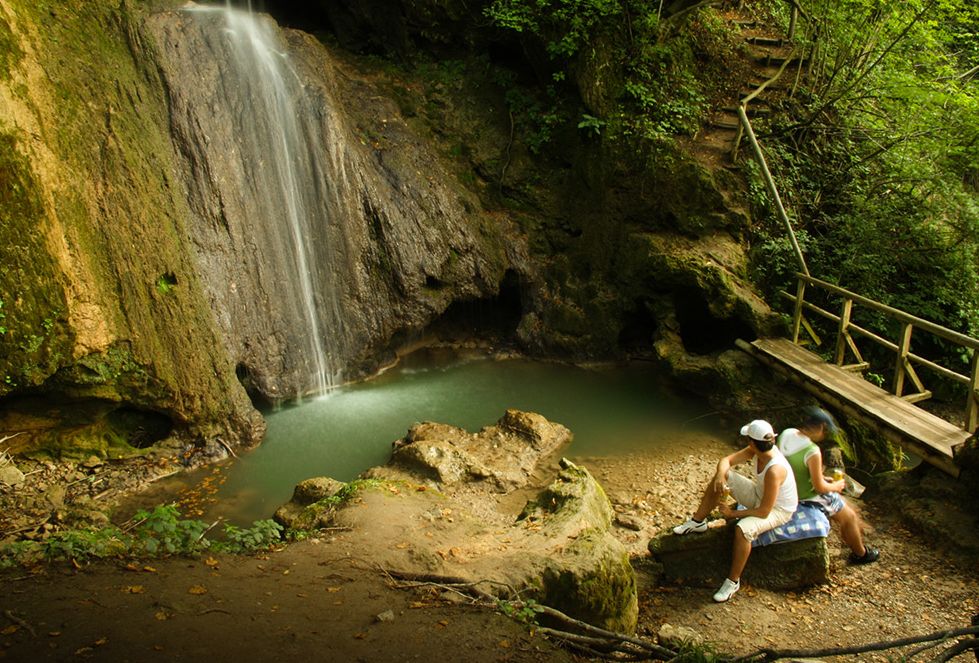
(3, 330)
(590, 123)
(656, 74)
(523, 610)
(263, 534)
(166, 283)
(159, 532)
(162, 532)
(879, 162)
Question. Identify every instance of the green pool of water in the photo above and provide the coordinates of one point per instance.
(609, 410)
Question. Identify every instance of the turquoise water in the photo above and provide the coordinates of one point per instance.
(609, 410)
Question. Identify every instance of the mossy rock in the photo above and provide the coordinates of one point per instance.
(704, 560)
(602, 591)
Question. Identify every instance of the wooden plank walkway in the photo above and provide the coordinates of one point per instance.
(917, 430)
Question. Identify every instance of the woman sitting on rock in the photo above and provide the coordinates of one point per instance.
(769, 499)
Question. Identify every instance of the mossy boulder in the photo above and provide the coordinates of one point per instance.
(559, 550)
(312, 505)
(704, 560)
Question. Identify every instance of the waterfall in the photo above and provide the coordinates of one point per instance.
(276, 162)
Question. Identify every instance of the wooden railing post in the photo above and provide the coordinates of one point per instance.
(800, 294)
(971, 406)
(843, 330)
(903, 348)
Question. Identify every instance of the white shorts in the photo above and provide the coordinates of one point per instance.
(749, 493)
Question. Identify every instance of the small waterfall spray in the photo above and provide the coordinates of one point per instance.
(278, 146)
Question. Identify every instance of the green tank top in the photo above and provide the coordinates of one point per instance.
(803, 480)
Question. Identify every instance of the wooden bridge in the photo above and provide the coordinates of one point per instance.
(891, 413)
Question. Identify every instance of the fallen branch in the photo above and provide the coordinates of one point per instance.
(23, 623)
(9, 437)
(952, 652)
(227, 446)
(612, 641)
(764, 655)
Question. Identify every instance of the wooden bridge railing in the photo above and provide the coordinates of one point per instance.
(905, 359)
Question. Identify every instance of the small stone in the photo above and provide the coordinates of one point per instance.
(386, 616)
(629, 522)
(11, 476)
(93, 462)
(675, 637)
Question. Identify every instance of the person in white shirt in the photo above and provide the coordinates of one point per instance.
(800, 446)
(770, 498)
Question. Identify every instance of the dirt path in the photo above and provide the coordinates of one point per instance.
(322, 598)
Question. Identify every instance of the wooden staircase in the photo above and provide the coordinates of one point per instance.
(765, 54)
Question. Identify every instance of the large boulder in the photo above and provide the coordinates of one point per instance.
(502, 456)
(312, 504)
(447, 506)
(704, 560)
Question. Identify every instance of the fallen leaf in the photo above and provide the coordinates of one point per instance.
(83, 650)
(401, 546)
(210, 561)
(54, 634)
(503, 644)
(161, 615)
(149, 569)
(134, 589)
(360, 636)
(197, 589)
(10, 630)
(101, 641)
(333, 590)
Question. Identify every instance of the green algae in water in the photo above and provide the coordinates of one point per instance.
(610, 411)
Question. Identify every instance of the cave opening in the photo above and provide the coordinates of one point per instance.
(139, 428)
(638, 329)
(491, 318)
(702, 332)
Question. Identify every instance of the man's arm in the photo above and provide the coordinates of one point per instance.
(725, 464)
(815, 464)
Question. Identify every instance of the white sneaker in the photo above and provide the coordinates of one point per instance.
(727, 590)
(691, 526)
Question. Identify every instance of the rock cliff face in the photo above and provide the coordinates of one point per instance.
(106, 339)
(318, 218)
(176, 224)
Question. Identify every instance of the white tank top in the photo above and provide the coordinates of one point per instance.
(787, 498)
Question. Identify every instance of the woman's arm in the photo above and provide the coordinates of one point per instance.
(815, 464)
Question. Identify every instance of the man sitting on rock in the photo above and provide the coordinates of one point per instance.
(801, 448)
(769, 499)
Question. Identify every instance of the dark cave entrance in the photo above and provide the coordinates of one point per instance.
(701, 331)
(491, 318)
(638, 329)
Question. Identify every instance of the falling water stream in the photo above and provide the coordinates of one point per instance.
(281, 147)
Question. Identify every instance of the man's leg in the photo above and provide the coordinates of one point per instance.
(739, 555)
(708, 501)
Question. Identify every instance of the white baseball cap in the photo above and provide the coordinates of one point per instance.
(759, 429)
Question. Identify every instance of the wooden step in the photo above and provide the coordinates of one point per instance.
(765, 41)
(751, 109)
(731, 125)
(771, 60)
